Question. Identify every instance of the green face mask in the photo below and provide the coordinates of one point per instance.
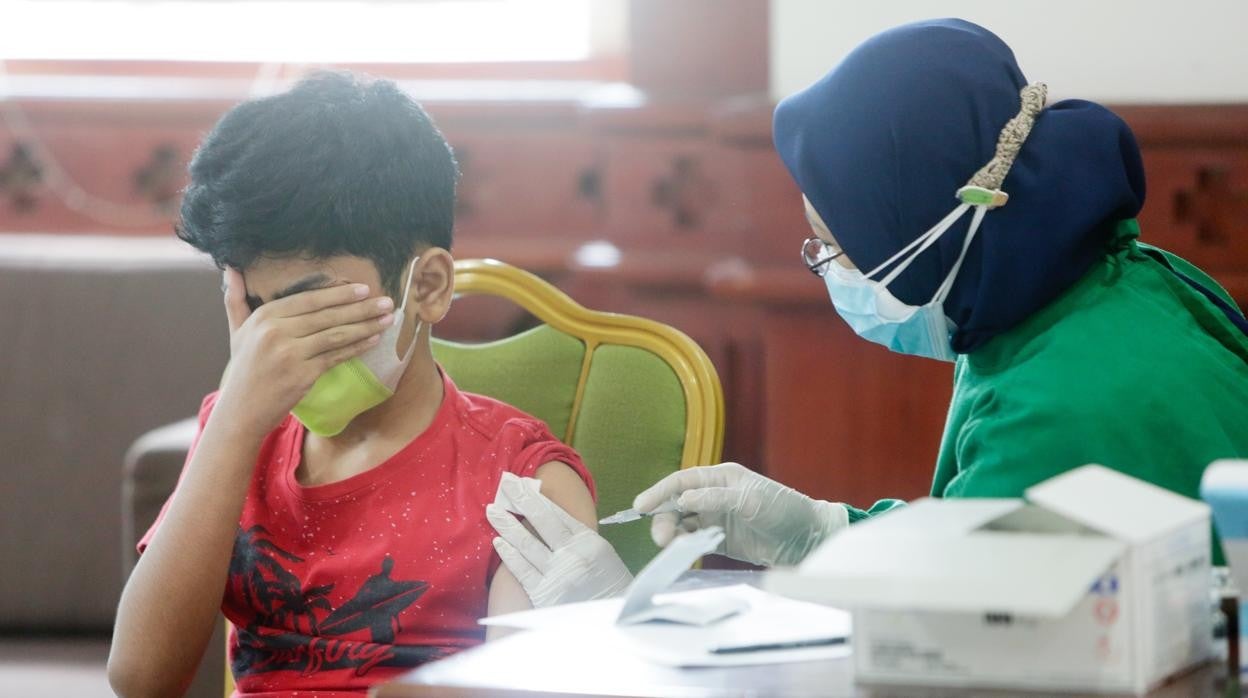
(340, 395)
(357, 385)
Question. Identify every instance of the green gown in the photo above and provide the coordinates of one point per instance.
(1130, 368)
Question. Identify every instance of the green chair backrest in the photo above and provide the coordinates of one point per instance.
(636, 399)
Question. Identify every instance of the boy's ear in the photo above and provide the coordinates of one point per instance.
(433, 284)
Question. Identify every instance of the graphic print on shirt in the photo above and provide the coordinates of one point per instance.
(297, 629)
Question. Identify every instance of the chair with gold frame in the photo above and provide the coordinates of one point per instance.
(636, 398)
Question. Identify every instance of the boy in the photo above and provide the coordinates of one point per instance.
(337, 488)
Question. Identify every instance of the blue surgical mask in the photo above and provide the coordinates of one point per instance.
(875, 314)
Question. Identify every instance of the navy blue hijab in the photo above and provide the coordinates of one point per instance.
(881, 144)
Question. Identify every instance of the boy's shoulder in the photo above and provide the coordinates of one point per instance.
(508, 437)
(492, 418)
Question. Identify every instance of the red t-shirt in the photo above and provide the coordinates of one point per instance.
(337, 587)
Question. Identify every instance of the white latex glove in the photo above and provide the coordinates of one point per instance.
(764, 522)
(569, 562)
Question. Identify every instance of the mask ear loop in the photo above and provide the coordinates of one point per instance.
(923, 242)
(947, 285)
(407, 290)
(407, 287)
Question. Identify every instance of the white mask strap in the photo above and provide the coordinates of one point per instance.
(923, 242)
(982, 191)
(947, 284)
(407, 287)
(412, 345)
(407, 291)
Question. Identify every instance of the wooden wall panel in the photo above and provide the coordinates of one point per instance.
(847, 419)
(137, 170)
(527, 183)
(1197, 205)
(666, 190)
(777, 220)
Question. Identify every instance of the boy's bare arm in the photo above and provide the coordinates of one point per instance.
(169, 604)
(564, 487)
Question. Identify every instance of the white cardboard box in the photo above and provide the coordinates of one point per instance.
(1095, 582)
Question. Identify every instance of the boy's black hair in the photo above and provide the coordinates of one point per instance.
(337, 165)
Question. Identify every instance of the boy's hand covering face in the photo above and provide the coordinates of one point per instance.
(279, 350)
(564, 561)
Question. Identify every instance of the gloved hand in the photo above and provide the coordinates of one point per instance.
(569, 562)
(764, 522)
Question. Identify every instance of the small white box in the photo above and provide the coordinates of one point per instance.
(1095, 582)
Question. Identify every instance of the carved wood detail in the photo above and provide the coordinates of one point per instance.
(158, 179)
(20, 179)
(1217, 210)
(685, 192)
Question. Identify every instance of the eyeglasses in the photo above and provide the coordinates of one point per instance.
(817, 255)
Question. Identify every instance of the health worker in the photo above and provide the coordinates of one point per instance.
(957, 216)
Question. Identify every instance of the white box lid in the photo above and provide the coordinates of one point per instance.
(1116, 504)
(991, 555)
(1023, 573)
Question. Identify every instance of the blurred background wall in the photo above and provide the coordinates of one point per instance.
(1148, 51)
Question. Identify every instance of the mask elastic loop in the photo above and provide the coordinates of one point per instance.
(928, 239)
(411, 347)
(947, 285)
(407, 291)
(407, 287)
(900, 253)
(983, 189)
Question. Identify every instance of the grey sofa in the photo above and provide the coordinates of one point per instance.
(101, 339)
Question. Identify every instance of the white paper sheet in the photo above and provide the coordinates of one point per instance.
(532, 484)
(661, 572)
(769, 619)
